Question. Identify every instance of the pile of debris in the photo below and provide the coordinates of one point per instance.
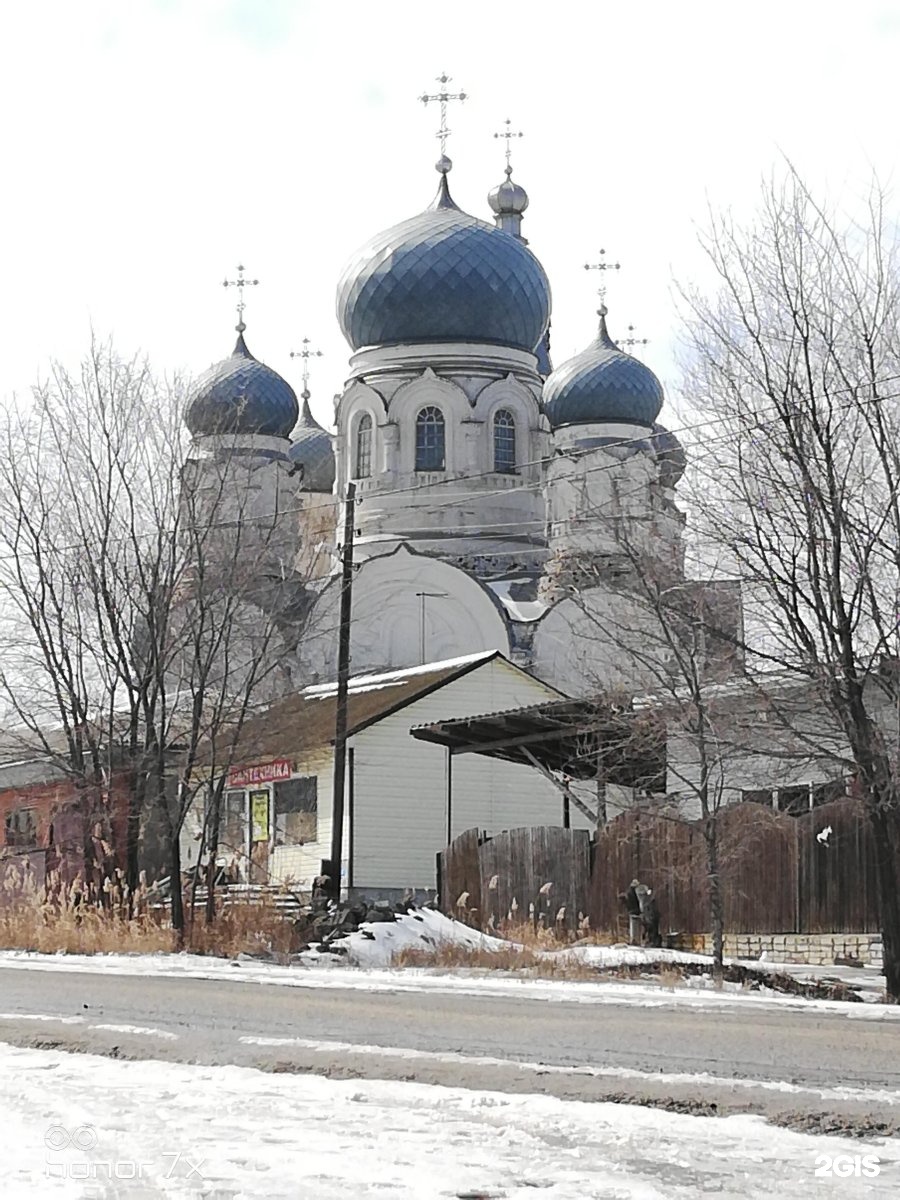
(751, 977)
(325, 925)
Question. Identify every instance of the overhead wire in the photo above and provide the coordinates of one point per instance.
(445, 499)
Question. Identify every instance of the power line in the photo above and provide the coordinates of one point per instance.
(574, 453)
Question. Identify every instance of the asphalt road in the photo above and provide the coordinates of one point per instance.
(208, 1019)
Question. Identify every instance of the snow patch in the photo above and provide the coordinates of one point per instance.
(519, 610)
(186, 1130)
(144, 1030)
(704, 1078)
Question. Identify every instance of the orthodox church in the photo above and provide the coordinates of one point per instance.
(499, 500)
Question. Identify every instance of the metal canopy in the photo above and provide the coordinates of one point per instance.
(583, 739)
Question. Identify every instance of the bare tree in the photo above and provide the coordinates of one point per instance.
(796, 358)
(149, 598)
(664, 632)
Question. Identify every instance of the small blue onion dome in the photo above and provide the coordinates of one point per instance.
(313, 450)
(602, 384)
(241, 396)
(444, 276)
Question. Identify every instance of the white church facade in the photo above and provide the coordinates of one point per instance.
(496, 495)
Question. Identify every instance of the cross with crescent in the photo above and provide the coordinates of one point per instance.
(508, 134)
(240, 283)
(305, 354)
(631, 340)
(443, 97)
(602, 265)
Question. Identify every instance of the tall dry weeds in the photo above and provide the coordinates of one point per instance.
(78, 918)
(519, 960)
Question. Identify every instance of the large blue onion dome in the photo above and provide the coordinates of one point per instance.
(444, 276)
(241, 396)
(602, 384)
(313, 450)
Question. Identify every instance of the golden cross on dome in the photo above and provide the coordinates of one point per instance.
(240, 283)
(509, 135)
(306, 354)
(443, 97)
(631, 340)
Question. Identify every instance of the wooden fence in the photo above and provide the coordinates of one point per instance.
(780, 874)
(492, 880)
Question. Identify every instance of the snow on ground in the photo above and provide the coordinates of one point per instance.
(371, 950)
(85, 1126)
(376, 943)
(701, 1079)
(458, 982)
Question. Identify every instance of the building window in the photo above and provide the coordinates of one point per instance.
(297, 811)
(430, 439)
(21, 829)
(794, 800)
(757, 796)
(364, 447)
(505, 442)
(233, 824)
(828, 793)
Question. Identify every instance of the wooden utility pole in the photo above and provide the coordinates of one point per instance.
(343, 680)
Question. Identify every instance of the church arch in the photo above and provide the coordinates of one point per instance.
(511, 396)
(510, 393)
(389, 625)
(429, 390)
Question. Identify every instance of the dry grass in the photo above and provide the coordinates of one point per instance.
(64, 921)
(255, 927)
(670, 977)
(73, 920)
(543, 938)
(518, 960)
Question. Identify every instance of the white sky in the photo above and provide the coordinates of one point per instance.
(150, 145)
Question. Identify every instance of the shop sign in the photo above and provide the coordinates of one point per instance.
(270, 772)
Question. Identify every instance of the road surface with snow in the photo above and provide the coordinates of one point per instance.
(86, 1126)
(808, 1066)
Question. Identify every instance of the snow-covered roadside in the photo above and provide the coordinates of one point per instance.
(72, 1121)
(459, 982)
(375, 945)
(700, 1080)
(369, 953)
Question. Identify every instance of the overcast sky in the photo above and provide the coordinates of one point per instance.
(151, 145)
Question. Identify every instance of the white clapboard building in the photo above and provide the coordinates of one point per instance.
(400, 808)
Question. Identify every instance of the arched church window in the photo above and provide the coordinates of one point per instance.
(430, 439)
(364, 447)
(504, 442)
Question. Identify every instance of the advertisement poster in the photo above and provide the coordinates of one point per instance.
(259, 816)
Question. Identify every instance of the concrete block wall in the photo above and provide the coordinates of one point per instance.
(816, 949)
